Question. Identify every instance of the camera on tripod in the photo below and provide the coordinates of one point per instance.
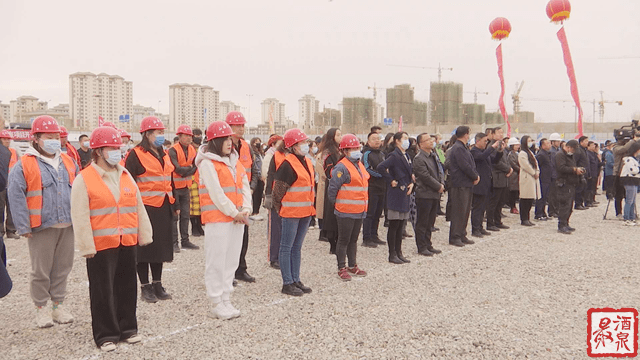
(628, 132)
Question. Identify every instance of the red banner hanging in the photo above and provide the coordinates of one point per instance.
(562, 36)
(400, 124)
(503, 109)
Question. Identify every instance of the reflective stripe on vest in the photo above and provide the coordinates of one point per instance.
(178, 181)
(353, 198)
(112, 224)
(231, 185)
(14, 158)
(298, 200)
(33, 179)
(245, 158)
(155, 182)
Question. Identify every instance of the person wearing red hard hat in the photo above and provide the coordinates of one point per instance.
(110, 220)
(236, 121)
(151, 168)
(349, 191)
(225, 203)
(293, 197)
(66, 147)
(7, 228)
(182, 156)
(40, 195)
(274, 157)
(109, 124)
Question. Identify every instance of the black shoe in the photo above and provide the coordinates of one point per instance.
(467, 241)
(393, 258)
(244, 276)
(377, 241)
(189, 245)
(148, 294)
(305, 289)
(161, 294)
(595, 203)
(502, 226)
(176, 248)
(292, 290)
(527, 223)
(235, 282)
(456, 243)
(553, 215)
(541, 218)
(425, 252)
(12, 235)
(580, 207)
(322, 238)
(476, 233)
(493, 228)
(484, 232)
(564, 230)
(435, 251)
(402, 258)
(570, 228)
(275, 265)
(406, 235)
(369, 244)
(434, 229)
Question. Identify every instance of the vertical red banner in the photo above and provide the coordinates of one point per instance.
(562, 36)
(400, 124)
(503, 109)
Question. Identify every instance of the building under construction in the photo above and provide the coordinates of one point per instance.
(446, 103)
(360, 114)
(473, 114)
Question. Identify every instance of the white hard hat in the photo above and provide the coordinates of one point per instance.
(513, 141)
(555, 137)
(636, 115)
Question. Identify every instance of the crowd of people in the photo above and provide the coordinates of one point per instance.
(127, 208)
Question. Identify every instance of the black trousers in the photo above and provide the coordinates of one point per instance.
(4, 205)
(478, 206)
(514, 195)
(579, 197)
(541, 203)
(257, 197)
(494, 206)
(427, 210)
(620, 195)
(590, 190)
(461, 199)
(242, 266)
(113, 293)
(347, 246)
(552, 198)
(394, 236)
(525, 209)
(183, 197)
(565, 197)
(371, 222)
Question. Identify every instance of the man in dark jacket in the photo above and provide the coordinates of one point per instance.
(582, 161)
(546, 176)
(430, 186)
(483, 156)
(555, 139)
(568, 178)
(462, 171)
(500, 173)
(371, 158)
(592, 181)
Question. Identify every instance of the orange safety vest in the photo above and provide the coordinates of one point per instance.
(155, 182)
(278, 158)
(71, 151)
(112, 223)
(14, 158)
(298, 201)
(178, 181)
(353, 198)
(245, 158)
(232, 189)
(33, 178)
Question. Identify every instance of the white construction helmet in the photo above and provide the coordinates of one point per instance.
(513, 141)
(636, 115)
(555, 137)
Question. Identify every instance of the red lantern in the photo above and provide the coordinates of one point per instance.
(558, 10)
(500, 28)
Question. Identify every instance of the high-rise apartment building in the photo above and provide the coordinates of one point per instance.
(5, 112)
(195, 105)
(273, 108)
(93, 96)
(227, 107)
(308, 106)
(25, 104)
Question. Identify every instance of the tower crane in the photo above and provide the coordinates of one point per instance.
(475, 94)
(602, 102)
(439, 68)
(516, 100)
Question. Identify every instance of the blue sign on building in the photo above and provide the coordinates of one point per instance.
(388, 121)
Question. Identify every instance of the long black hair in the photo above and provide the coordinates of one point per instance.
(524, 145)
(329, 142)
(147, 145)
(215, 145)
(396, 136)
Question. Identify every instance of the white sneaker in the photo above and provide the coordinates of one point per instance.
(256, 217)
(629, 223)
(133, 339)
(43, 317)
(222, 312)
(620, 217)
(234, 311)
(108, 346)
(61, 316)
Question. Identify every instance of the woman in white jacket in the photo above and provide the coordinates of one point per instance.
(630, 179)
(225, 203)
(529, 180)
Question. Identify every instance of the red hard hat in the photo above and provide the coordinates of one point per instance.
(63, 132)
(218, 129)
(105, 136)
(151, 123)
(109, 124)
(235, 118)
(44, 124)
(6, 134)
(124, 133)
(293, 136)
(349, 141)
(274, 139)
(184, 129)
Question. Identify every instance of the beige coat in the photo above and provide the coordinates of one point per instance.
(529, 186)
(322, 178)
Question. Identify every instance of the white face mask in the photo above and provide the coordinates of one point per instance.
(405, 144)
(113, 157)
(85, 144)
(51, 146)
(304, 149)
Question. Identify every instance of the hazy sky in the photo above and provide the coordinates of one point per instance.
(285, 49)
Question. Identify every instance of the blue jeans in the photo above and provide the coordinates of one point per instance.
(630, 202)
(293, 232)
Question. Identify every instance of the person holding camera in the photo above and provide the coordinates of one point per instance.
(620, 150)
(568, 178)
(630, 179)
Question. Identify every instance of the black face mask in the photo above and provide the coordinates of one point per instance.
(197, 140)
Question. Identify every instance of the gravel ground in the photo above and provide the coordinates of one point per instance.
(520, 293)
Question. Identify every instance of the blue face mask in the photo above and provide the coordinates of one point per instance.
(355, 155)
(304, 149)
(405, 144)
(159, 140)
(51, 146)
(314, 149)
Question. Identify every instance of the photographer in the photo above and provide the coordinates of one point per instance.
(568, 178)
(620, 150)
(630, 179)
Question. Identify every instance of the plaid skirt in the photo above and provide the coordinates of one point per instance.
(195, 200)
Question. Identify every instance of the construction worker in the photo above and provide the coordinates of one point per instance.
(236, 121)
(275, 156)
(225, 200)
(110, 220)
(293, 197)
(182, 155)
(66, 147)
(8, 230)
(151, 168)
(40, 193)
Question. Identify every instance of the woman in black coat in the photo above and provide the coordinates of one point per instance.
(330, 157)
(397, 171)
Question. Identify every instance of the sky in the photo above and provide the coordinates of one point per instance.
(330, 49)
